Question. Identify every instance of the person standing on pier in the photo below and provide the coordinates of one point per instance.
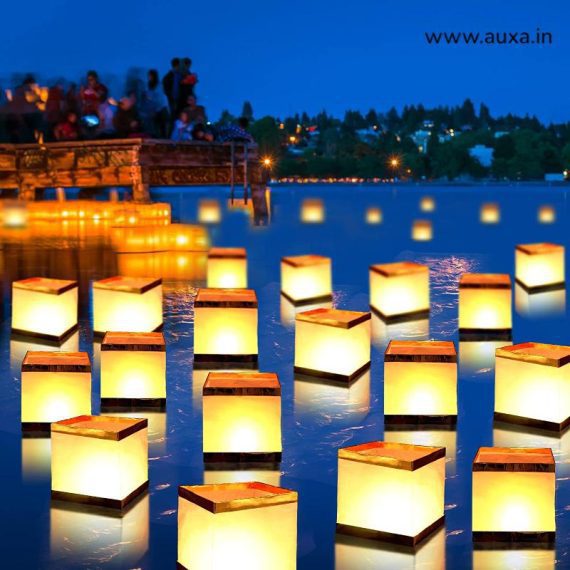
(92, 94)
(171, 86)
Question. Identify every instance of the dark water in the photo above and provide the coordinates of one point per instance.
(317, 419)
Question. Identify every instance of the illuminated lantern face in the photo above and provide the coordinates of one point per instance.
(390, 491)
(306, 279)
(133, 369)
(127, 302)
(209, 212)
(55, 386)
(333, 344)
(100, 460)
(422, 230)
(374, 216)
(227, 268)
(540, 266)
(225, 327)
(546, 215)
(490, 214)
(427, 204)
(233, 525)
(399, 291)
(312, 211)
(44, 308)
(532, 385)
(485, 306)
(242, 417)
(513, 495)
(420, 382)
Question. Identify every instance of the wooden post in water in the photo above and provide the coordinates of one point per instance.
(245, 181)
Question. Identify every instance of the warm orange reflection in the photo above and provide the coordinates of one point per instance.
(149, 239)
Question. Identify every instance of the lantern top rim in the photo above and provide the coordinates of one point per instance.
(226, 298)
(522, 459)
(485, 281)
(56, 361)
(540, 248)
(45, 285)
(100, 427)
(333, 317)
(420, 351)
(227, 253)
(537, 353)
(399, 268)
(305, 260)
(135, 341)
(242, 384)
(127, 284)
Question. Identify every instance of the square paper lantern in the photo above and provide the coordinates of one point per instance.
(485, 306)
(422, 230)
(312, 211)
(306, 279)
(227, 268)
(513, 495)
(131, 303)
(99, 460)
(490, 213)
(373, 215)
(133, 369)
(399, 291)
(532, 385)
(540, 266)
(225, 328)
(44, 308)
(420, 382)
(333, 344)
(390, 491)
(427, 204)
(546, 215)
(209, 212)
(242, 417)
(55, 386)
(234, 525)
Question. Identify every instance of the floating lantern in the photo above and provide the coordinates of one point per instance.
(383, 332)
(225, 327)
(490, 214)
(14, 214)
(373, 216)
(485, 306)
(133, 369)
(127, 302)
(312, 211)
(334, 344)
(227, 268)
(422, 230)
(390, 491)
(532, 385)
(99, 460)
(542, 304)
(55, 386)
(427, 204)
(242, 417)
(546, 215)
(209, 212)
(513, 495)
(44, 308)
(420, 382)
(540, 266)
(399, 291)
(306, 279)
(233, 525)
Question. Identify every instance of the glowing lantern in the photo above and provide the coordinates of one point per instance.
(485, 306)
(490, 214)
(227, 268)
(542, 304)
(225, 327)
(209, 212)
(14, 214)
(334, 344)
(44, 308)
(306, 279)
(422, 230)
(546, 215)
(427, 204)
(373, 216)
(99, 460)
(233, 525)
(513, 495)
(312, 211)
(399, 291)
(242, 417)
(55, 386)
(540, 266)
(390, 491)
(127, 302)
(532, 385)
(420, 382)
(133, 369)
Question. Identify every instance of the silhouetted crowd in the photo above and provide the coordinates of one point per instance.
(164, 109)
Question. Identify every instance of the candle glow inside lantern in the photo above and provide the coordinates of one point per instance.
(233, 525)
(546, 215)
(399, 291)
(127, 302)
(390, 491)
(540, 266)
(44, 308)
(133, 369)
(427, 204)
(333, 344)
(225, 328)
(420, 382)
(373, 215)
(209, 212)
(99, 460)
(514, 495)
(242, 417)
(490, 213)
(485, 306)
(312, 211)
(55, 386)
(306, 279)
(422, 230)
(227, 268)
(532, 385)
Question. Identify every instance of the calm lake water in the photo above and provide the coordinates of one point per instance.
(317, 419)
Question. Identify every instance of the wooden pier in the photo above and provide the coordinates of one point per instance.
(135, 163)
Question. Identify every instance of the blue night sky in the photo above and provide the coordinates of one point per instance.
(288, 56)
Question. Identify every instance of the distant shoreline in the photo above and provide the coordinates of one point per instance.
(426, 183)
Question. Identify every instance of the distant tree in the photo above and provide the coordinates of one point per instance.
(485, 119)
(247, 111)
(392, 119)
(226, 118)
(371, 118)
(266, 133)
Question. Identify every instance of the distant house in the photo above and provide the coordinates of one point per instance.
(499, 134)
(421, 138)
(554, 177)
(367, 135)
(483, 154)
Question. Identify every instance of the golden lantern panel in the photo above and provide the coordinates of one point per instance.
(306, 279)
(312, 211)
(540, 266)
(422, 230)
(227, 268)
(490, 214)
(209, 212)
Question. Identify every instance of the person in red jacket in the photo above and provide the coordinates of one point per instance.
(92, 94)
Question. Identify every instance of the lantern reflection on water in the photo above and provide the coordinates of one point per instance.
(306, 279)
(288, 311)
(20, 346)
(209, 212)
(540, 266)
(422, 230)
(383, 332)
(478, 356)
(227, 268)
(540, 305)
(530, 557)
(36, 458)
(218, 473)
